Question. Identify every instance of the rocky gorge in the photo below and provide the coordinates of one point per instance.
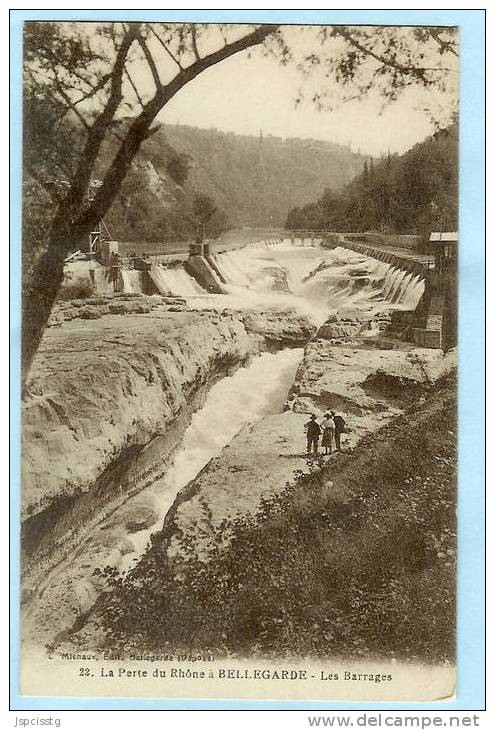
(106, 405)
(118, 401)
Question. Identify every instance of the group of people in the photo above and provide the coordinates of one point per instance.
(331, 427)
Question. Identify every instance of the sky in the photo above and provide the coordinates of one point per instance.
(252, 91)
(245, 95)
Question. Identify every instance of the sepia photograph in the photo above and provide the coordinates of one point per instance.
(239, 360)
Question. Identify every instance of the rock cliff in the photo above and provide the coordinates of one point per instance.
(106, 405)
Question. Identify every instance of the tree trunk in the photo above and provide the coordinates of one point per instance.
(40, 292)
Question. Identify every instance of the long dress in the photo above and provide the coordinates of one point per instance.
(327, 427)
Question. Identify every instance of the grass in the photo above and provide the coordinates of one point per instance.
(354, 559)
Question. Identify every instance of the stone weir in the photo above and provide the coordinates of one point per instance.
(414, 265)
(432, 316)
(107, 402)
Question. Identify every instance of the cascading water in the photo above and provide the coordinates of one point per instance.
(252, 392)
(175, 281)
(132, 281)
(277, 273)
(298, 273)
(232, 403)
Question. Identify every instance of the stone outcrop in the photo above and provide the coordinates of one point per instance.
(347, 323)
(278, 328)
(107, 403)
(96, 307)
(368, 387)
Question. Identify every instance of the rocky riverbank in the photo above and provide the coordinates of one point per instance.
(354, 559)
(368, 386)
(105, 407)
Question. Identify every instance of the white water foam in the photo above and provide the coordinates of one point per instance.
(175, 281)
(296, 274)
(234, 402)
(317, 281)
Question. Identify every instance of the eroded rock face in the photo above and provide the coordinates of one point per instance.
(367, 387)
(97, 388)
(348, 323)
(364, 382)
(279, 328)
(106, 405)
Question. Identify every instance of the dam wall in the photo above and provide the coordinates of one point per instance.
(407, 264)
(431, 326)
(200, 268)
(413, 242)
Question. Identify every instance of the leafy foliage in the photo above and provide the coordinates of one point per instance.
(409, 193)
(355, 558)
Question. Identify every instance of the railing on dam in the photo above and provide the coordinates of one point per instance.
(418, 265)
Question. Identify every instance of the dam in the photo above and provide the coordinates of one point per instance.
(273, 266)
(178, 404)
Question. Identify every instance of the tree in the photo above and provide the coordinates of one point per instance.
(411, 193)
(204, 208)
(89, 79)
(177, 165)
(80, 89)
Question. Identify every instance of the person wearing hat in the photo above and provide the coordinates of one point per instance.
(312, 434)
(328, 430)
(339, 424)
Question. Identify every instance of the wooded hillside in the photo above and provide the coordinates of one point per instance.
(253, 181)
(408, 193)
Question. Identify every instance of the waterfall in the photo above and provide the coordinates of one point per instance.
(176, 281)
(403, 288)
(132, 281)
(413, 293)
(234, 402)
(301, 274)
(323, 279)
(398, 281)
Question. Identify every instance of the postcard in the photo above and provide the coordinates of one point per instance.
(241, 257)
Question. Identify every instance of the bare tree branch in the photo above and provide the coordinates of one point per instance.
(164, 45)
(383, 60)
(95, 89)
(151, 62)
(100, 126)
(139, 128)
(194, 41)
(134, 87)
(70, 104)
(444, 45)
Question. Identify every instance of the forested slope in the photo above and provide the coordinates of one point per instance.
(408, 193)
(253, 181)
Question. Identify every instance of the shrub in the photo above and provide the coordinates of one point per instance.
(354, 559)
(79, 289)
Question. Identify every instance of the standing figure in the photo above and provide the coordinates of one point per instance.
(328, 431)
(312, 434)
(115, 270)
(339, 429)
